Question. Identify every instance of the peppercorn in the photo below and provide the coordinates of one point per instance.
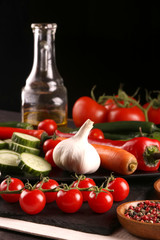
(146, 211)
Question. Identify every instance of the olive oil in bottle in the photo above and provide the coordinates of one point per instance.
(44, 95)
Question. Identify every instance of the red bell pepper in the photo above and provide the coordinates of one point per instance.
(146, 150)
(6, 132)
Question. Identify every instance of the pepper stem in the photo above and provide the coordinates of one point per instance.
(151, 155)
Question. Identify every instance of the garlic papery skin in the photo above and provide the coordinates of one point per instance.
(76, 154)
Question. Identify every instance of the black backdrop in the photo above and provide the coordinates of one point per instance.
(98, 42)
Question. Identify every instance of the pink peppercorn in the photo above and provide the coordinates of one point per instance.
(145, 217)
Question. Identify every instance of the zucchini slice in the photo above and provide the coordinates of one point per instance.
(21, 148)
(26, 140)
(33, 164)
(8, 161)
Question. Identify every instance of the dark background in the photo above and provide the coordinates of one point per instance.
(98, 42)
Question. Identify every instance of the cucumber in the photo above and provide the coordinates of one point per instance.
(8, 161)
(26, 140)
(34, 165)
(127, 126)
(21, 148)
(121, 136)
(3, 144)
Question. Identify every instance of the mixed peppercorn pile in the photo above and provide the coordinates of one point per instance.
(146, 211)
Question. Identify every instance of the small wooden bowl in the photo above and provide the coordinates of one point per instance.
(157, 188)
(139, 229)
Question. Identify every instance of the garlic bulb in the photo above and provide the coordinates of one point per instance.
(76, 154)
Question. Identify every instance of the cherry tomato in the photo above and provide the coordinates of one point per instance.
(100, 202)
(50, 144)
(50, 184)
(69, 201)
(86, 108)
(120, 187)
(153, 114)
(96, 133)
(49, 157)
(126, 114)
(48, 125)
(15, 184)
(32, 201)
(85, 183)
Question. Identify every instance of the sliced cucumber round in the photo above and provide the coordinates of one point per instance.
(34, 165)
(8, 161)
(21, 148)
(2, 144)
(26, 140)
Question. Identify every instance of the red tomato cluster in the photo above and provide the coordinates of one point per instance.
(86, 108)
(69, 200)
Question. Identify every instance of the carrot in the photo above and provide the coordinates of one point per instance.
(116, 159)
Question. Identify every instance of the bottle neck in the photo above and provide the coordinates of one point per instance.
(44, 62)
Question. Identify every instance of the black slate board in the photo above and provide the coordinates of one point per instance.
(84, 220)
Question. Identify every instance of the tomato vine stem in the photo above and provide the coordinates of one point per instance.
(62, 186)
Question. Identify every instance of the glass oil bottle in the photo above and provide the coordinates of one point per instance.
(44, 95)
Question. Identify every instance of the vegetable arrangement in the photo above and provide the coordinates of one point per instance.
(84, 152)
(36, 152)
(69, 199)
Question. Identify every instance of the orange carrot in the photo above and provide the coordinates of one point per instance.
(116, 159)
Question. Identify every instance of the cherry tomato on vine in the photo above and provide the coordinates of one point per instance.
(120, 187)
(69, 201)
(15, 184)
(48, 125)
(49, 157)
(96, 133)
(85, 183)
(153, 114)
(32, 201)
(50, 184)
(87, 108)
(100, 202)
(49, 144)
